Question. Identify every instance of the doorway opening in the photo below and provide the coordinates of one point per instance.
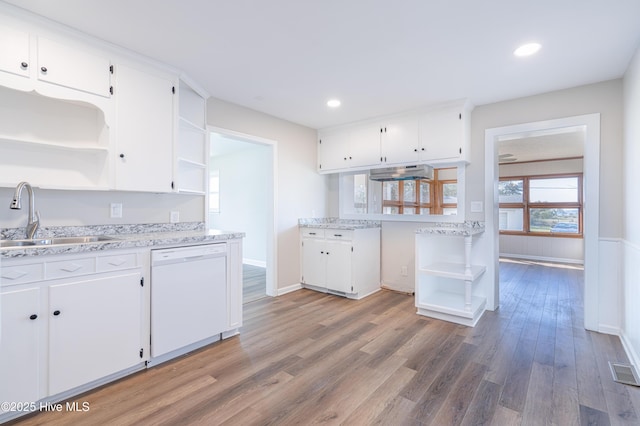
(589, 127)
(241, 197)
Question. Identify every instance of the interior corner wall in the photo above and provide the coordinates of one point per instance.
(631, 205)
(300, 190)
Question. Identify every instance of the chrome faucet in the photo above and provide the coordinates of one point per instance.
(34, 216)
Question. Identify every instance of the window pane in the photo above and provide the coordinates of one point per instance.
(511, 219)
(510, 191)
(360, 193)
(425, 191)
(409, 210)
(450, 193)
(553, 190)
(390, 191)
(390, 210)
(409, 191)
(554, 220)
(450, 211)
(425, 210)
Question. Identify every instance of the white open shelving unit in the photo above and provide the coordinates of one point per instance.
(445, 275)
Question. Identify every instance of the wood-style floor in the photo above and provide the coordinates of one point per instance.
(254, 283)
(308, 358)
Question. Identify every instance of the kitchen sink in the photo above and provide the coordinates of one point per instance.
(55, 241)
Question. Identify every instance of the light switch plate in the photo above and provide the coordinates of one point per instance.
(476, 207)
(116, 210)
(174, 217)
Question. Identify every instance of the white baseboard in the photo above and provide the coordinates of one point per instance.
(633, 356)
(289, 289)
(607, 329)
(542, 258)
(254, 262)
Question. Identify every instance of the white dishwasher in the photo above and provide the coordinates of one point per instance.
(188, 296)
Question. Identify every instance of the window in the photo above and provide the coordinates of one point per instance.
(413, 197)
(214, 191)
(541, 205)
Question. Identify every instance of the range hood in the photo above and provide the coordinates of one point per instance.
(421, 171)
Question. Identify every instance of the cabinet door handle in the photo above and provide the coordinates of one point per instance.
(415, 150)
(32, 317)
(423, 149)
(121, 155)
(321, 252)
(24, 65)
(43, 69)
(337, 235)
(327, 252)
(56, 313)
(312, 233)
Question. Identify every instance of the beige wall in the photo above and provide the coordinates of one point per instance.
(300, 192)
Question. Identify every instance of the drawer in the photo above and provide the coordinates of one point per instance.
(338, 234)
(116, 262)
(21, 274)
(312, 232)
(69, 268)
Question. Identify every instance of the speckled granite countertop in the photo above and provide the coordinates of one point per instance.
(125, 236)
(464, 229)
(336, 223)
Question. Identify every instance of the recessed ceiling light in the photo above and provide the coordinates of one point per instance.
(527, 49)
(333, 103)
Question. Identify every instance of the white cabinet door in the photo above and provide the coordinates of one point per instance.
(94, 329)
(14, 52)
(401, 140)
(144, 131)
(364, 145)
(339, 265)
(442, 134)
(71, 67)
(333, 150)
(20, 346)
(314, 262)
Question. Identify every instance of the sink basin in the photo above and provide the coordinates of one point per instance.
(54, 241)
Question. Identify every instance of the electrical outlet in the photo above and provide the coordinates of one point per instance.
(174, 217)
(116, 210)
(403, 271)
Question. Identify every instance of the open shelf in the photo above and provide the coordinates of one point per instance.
(450, 306)
(454, 270)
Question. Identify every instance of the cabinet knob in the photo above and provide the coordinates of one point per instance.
(321, 252)
(121, 155)
(43, 69)
(415, 150)
(32, 317)
(423, 149)
(345, 158)
(327, 252)
(56, 313)
(24, 65)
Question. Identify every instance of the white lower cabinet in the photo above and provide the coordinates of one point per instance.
(68, 321)
(20, 345)
(346, 262)
(94, 329)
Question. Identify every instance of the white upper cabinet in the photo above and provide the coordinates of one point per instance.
(345, 148)
(444, 133)
(400, 141)
(435, 136)
(144, 130)
(14, 52)
(73, 68)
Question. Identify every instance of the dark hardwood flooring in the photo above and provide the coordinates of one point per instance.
(310, 358)
(254, 283)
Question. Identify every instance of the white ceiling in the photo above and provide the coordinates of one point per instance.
(288, 57)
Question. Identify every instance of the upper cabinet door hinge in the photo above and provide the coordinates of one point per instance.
(141, 281)
(111, 69)
(320, 141)
(111, 89)
(173, 90)
(351, 249)
(172, 185)
(460, 116)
